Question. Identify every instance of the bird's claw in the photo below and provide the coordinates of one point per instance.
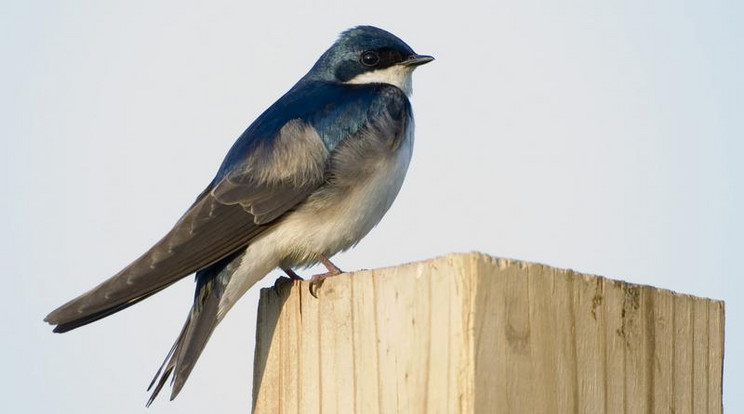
(317, 281)
(315, 284)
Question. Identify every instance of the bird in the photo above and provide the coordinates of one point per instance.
(309, 178)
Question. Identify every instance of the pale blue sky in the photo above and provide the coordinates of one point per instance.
(601, 137)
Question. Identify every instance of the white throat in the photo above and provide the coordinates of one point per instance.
(396, 75)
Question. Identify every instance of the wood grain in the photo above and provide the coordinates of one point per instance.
(469, 333)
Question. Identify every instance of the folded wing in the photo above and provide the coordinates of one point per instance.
(277, 174)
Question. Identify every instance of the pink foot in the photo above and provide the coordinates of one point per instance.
(317, 281)
(292, 275)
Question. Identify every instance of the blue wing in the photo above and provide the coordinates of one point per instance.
(274, 165)
(334, 110)
(282, 157)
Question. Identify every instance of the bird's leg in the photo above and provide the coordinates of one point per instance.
(317, 281)
(292, 275)
(333, 270)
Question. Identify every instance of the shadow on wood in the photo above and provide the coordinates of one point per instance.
(471, 333)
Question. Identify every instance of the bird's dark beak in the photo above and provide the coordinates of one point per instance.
(417, 60)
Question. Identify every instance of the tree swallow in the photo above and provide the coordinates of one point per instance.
(309, 178)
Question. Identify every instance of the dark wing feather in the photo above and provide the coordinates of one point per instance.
(209, 231)
(278, 174)
(272, 178)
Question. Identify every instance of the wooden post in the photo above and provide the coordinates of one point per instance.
(469, 333)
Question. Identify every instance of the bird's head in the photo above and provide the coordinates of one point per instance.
(366, 54)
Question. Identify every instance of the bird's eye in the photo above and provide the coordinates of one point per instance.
(370, 58)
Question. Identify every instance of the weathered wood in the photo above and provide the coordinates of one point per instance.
(474, 334)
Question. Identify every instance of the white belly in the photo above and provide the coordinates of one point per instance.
(337, 218)
(333, 219)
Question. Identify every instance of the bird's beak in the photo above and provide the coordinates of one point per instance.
(417, 60)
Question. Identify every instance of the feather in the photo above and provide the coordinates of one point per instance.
(200, 324)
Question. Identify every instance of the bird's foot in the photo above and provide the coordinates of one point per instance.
(317, 281)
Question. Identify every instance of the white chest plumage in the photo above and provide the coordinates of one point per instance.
(365, 180)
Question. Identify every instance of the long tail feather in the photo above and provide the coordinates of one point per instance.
(197, 330)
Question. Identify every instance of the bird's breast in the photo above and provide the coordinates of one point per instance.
(365, 176)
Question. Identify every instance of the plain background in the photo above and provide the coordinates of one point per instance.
(601, 137)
